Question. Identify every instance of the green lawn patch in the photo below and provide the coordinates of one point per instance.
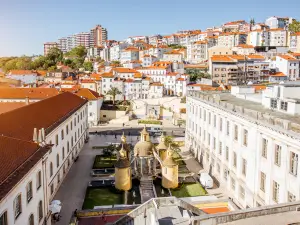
(104, 162)
(188, 190)
(150, 122)
(101, 196)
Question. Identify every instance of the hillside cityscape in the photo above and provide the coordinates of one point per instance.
(193, 127)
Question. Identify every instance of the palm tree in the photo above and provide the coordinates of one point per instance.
(113, 92)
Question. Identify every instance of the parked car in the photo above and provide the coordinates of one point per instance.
(155, 131)
(206, 180)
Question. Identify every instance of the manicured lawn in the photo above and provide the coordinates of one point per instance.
(101, 196)
(104, 162)
(189, 190)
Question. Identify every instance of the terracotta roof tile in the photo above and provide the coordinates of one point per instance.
(21, 72)
(9, 106)
(124, 70)
(32, 93)
(156, 84)
(20, 122)
(287, 57)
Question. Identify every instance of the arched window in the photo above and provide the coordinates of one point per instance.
(18, 206)
(51, 169)
(57, 160)
(29, 191)
(40, 210)
(63, 153)
(31, 220)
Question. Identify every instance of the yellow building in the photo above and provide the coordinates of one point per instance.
(162, 148)
(169, 171)
(122, 172)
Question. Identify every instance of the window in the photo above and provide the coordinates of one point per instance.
(245, 137)
(215, 120)
(227, 153)
(29, 191)
(293, 163)
(38, 180)
(40, 210)
(18, 206)
(277, 155)
(264, 152)
(262, 181)
(275, 191)
(291, 198)
(214, 143)
(71, 125)
(3, 219)
(57, 160)
(52, 188)
(208, 139)
(56, 139)
(232, 184)
(209, 118)
(30, 220)
(63, 153)
(244, 167)
(51, 169)
(234, 159)
(242, 192)
(220, 148)
(68, 147)
(227, 128)
(283, 105)
(218, 168)
(236, 130)
(274, 103)
(225, 174)
(90, 103)
(221, 124)
(74, 121)
(58, 178)
(204, 116)
(67, 129)
(72, 143)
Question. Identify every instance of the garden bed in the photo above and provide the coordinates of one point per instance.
(157, 122)
(188, 190)
(102, 162)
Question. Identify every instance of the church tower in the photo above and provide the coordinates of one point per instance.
(162, 148)
(122, 172)
(169, 171)
(125, 145)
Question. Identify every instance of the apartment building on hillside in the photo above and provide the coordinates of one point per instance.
(232, 69)
(248, 141)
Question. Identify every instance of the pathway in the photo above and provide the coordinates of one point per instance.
(146, 188)
(72, 191)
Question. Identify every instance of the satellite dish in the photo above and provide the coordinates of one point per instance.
(250, 83)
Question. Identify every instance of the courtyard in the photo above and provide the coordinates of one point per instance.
(80, 190)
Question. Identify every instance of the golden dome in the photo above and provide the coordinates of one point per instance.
(143, 148)
(169, 161)
(161, 145)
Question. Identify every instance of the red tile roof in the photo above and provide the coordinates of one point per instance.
(9, 106)
(32, 93)
(21, 72)
(124, 70)
(85, 93)
(17, 157)
(47, 114)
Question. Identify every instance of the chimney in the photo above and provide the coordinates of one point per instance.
(35, 137)
(40, 137)
(27, 100)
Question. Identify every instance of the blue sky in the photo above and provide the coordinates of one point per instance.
(26, 24)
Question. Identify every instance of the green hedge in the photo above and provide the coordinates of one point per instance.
(150, 122)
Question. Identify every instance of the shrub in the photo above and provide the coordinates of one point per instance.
(150, 122)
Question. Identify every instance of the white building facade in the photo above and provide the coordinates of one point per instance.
(253, 157)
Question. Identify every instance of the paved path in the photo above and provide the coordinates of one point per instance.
(72, 190)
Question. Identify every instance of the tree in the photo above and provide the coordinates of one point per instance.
(169, 141)
(88, 66)
(113, 92)
(294, 27)
(77, 52)
(116, 63)
(54, 56)
(252, 21)
(176, 46)
(196, 74)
